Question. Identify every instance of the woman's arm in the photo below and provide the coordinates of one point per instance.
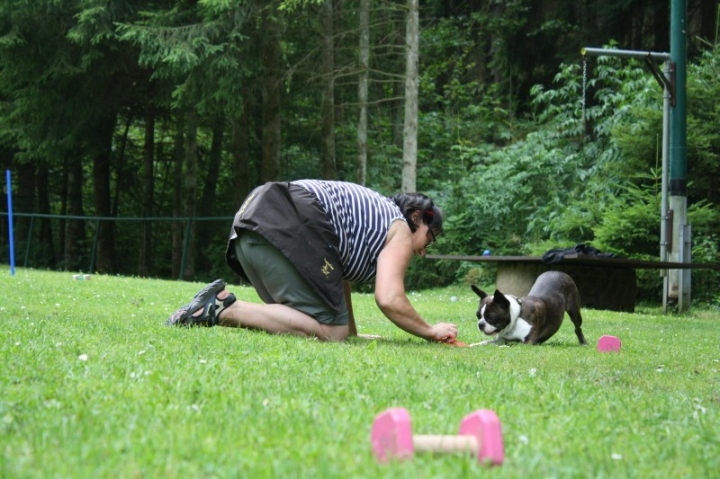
(390, 287)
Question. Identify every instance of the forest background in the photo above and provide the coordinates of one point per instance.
(115, 111)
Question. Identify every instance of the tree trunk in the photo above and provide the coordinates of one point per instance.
(46, 249)
(190, 193)
(74, 228)
(122, 169)
(364, 61)
(209, 193)
(412, 35)
(212, 167)
(62, 227)
(241, 157)
(148, 192)
(329, 167)
(271, 91)
(178, 195)
(105, 252)
(23, 202)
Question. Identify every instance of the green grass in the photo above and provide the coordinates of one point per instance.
(154, 402)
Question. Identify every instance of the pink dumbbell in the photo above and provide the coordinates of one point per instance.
(608, 344)
(480, 434)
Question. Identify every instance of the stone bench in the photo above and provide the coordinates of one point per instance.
(604, 282)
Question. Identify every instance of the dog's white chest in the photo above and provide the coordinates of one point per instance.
(517, 331)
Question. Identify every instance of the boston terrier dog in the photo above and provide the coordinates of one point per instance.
(534, 318)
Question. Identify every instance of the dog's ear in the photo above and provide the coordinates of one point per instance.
(501, 299)
(479, 291)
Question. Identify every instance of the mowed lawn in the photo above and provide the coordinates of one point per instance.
(93, 385)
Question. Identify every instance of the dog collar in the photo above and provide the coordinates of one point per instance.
(519, 300)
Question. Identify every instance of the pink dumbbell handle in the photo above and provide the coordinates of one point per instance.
(445, 443)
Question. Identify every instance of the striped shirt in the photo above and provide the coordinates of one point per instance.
(361, 218)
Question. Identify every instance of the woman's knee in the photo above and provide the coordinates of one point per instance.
(336, 333)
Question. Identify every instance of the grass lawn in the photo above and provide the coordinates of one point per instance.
(93, 385)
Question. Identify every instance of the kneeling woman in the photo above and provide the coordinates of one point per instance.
(301, 243)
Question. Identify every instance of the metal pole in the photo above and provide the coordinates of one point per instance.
(680, 250)
(640, 55)
(678, 131)
(664, 200)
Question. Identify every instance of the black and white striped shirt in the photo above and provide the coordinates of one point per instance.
(361, 218)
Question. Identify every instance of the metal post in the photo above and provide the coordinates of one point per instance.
(685, 252)
(637, 54)
(664, 201)
(678, 154)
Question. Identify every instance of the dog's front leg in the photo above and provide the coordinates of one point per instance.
(497, 342)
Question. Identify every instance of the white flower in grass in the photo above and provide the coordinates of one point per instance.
(57, 305)
(660, 368)
(203, 361)
(195, 408)
(698, 408)
(524, 439)
(141, 352)
(533, 372)
(83, 357)
(616, 457)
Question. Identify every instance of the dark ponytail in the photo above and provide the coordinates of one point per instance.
(430, 214)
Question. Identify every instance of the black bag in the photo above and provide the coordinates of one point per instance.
(290, 218)
(556, 255)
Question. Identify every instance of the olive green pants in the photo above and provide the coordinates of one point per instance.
(277, 280)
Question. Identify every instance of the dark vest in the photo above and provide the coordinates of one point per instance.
(290, 218)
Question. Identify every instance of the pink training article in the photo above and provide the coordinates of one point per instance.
(487, 423)
(607, 344)
(391, 435)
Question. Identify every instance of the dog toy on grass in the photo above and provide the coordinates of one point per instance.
(607, 344)
(454, 342)
(480, 434)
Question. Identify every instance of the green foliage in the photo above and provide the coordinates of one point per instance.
(594, 179)
(517, 168)
(630, 223)
(199, 49)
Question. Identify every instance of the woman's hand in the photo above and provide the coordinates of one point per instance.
(445, 332)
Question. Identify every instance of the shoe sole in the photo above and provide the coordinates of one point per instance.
(196, 304)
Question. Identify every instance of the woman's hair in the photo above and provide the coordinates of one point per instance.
(430, 214)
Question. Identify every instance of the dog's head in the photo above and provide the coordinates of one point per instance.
(493, 311)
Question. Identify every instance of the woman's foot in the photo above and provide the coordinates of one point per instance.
(205, 307)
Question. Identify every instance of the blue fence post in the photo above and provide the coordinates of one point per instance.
(10, 223)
